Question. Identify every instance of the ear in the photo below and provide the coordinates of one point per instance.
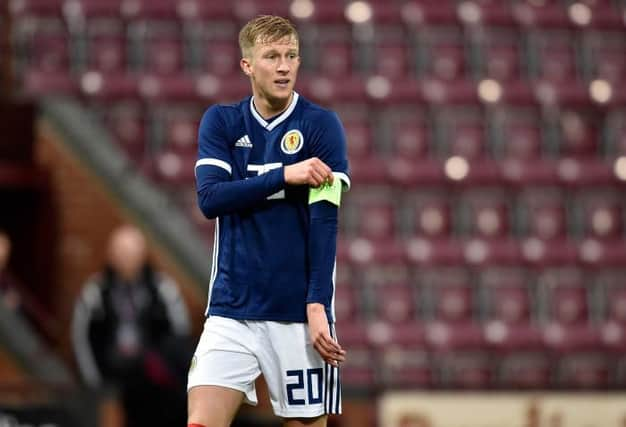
(246, 66)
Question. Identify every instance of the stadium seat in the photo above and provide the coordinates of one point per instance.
(584, 370)
(395, 303)
(432, 218)
(604, 55)
(523, 370)
(405, 366)
(452, 303)
(506, 302)
(544, 226)
(361, 368)
(567, 303)
(552, 53)
(392, 59)
(49, 48)
(444, 56)
(347, 303)
(465, 370)
(221, 57)
(372, 213)
(500, 52)
(127, 122)
(519, 134)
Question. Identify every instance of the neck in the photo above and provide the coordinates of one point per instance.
(268, 108)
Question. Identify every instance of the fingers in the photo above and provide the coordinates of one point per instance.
(312, 171)
(319, 172)
(330, 350)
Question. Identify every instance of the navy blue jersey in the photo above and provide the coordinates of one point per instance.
(261, 268)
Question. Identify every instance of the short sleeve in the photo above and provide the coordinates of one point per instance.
(329, 145)
(214, 158)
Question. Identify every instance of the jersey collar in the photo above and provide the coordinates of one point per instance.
(278, 120)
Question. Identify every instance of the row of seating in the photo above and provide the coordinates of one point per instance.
(418, 367)
(513, 296)
(501, 131)
(543, 213)
(443, 53)
(575, 13)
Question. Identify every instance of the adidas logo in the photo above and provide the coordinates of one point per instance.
(244, 141)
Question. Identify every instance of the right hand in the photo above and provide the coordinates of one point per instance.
(313, 172)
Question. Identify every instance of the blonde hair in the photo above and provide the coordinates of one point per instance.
(265, 29)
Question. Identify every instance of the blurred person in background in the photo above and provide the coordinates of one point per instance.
(9, 293)
(131, 332)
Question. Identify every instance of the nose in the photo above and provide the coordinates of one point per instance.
(283, 65)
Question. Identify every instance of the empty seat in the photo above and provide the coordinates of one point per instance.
(107, 53)
(371, 213)
(442, 53)
(584, 370)
(347, 303)
(604, 55)
(467, 369)
(448, 296)
(485, 214)
(392, 59)
(579, 134)
(361, 367)
(174, 126)
(406, 367)
(552, 55)
(45, 47)
(524, 370)
(432, 218)
(568, 303)
(506, 301)
(500, 53)
(395, 302)
(610, 299)
(604, 219)
(519, 134)
(543, 222)
(461, 132)
(127, 123)
(221, 57)
(171, 167)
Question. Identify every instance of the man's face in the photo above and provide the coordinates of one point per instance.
(273, 68)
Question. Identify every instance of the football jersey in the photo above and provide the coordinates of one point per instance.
(260, 267)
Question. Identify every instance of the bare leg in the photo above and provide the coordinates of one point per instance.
(306, 422)
(213, 406)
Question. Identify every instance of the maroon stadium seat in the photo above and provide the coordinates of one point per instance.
(406, 366)
(524, 370)
(500, 53)
(395, 303)
(584, 370)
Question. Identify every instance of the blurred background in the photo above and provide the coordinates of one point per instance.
(482, 253)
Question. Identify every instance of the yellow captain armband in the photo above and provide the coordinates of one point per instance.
(329, 192)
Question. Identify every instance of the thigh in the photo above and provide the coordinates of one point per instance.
(224, 359)
(308, 422)
(213, 406)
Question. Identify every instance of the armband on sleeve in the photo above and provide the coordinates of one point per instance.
(329, 192)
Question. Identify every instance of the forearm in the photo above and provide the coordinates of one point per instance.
(216, 197)
(322, 250)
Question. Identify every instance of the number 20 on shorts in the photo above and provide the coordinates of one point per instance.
(313, 386)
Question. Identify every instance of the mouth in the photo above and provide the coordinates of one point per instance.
(282, 83)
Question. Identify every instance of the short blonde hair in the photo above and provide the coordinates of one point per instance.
(266, 29)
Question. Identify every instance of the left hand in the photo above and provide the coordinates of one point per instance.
(326, 346)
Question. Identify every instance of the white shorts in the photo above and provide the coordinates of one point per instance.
(233, 353)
